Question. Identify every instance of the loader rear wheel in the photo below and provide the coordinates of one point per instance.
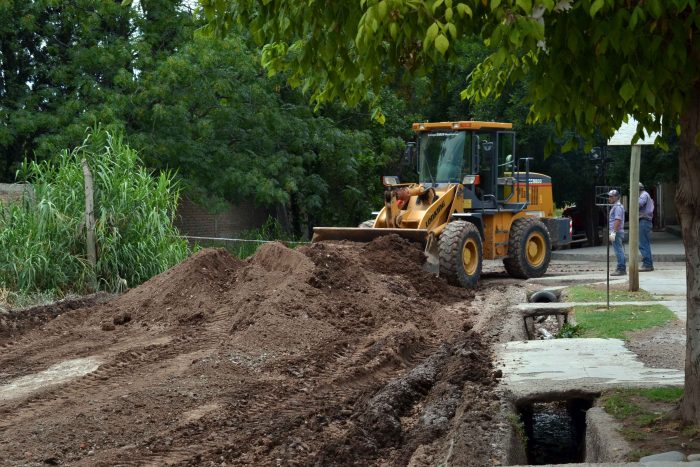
(529, 249)
(367, 224)
(460, 254)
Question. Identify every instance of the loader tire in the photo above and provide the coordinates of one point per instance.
(460, 254)
(529, 249)
(367, 224)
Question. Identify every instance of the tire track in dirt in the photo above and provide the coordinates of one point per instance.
(105, 378)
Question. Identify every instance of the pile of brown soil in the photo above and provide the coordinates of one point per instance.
(334, 353)
(16, 322)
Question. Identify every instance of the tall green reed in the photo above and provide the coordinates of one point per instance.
(43, 238)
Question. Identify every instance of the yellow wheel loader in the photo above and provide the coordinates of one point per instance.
(474, 200)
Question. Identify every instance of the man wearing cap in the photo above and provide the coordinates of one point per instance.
(646, 213)
(616, 222)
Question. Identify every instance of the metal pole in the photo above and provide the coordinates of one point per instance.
(605, 183)
(608, 268)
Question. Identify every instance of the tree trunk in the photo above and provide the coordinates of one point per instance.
(688, 205)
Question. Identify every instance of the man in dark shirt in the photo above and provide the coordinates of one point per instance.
(646, 214)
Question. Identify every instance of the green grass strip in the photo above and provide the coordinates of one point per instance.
(619, 402)
(587, 293)
(594, 321)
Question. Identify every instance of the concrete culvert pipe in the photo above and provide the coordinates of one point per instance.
(543, 296)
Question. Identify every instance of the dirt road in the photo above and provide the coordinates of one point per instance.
(329, 354)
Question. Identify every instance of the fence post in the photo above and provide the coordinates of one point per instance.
(90, 222)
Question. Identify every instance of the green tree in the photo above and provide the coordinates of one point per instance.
(57, 61)
(591, 63)
(66, 65)
(205, 109)
(209, 112)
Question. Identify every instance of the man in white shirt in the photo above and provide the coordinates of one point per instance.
(616, 224)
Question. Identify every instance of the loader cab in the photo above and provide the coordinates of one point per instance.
(481, 155)
(444, 157)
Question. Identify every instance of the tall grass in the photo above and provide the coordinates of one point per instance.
(43, 239)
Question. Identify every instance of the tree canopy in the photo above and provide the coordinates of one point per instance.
(65, 66)
(590, 63)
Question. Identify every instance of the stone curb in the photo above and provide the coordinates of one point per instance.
(604, 443)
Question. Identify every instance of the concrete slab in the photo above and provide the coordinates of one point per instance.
(541, 368)
(627, 464)
(602, 464)
(660, 282)
(54, 375)
(665, 281)
(604, 442)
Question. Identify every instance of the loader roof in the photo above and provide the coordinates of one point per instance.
(461, 125)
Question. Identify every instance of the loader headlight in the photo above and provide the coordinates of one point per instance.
(470, 180)
(389, 180)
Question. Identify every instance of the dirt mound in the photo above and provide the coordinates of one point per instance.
(275, 257)
(328, 354)
(394, 255)
(16, 322)
(180, 294)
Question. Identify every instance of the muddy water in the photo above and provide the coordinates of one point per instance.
(556, 433)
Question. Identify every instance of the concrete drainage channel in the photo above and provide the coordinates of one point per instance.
(564, 430)
(544, 316)
(555, 431)
(564, 427)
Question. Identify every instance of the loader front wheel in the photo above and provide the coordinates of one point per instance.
(529, 249)
(460, 254)
(367, 224)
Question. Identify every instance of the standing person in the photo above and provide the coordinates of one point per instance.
(646, 214)
(616, 223)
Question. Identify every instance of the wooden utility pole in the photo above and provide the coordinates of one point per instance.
(90, 221)
(633, 216)
(624, 136)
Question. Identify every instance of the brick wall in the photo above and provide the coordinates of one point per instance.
(194, 220)
(191, 219)
(12, 192)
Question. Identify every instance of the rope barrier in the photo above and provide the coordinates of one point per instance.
(243, 240)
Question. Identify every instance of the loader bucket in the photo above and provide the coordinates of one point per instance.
(358, 234)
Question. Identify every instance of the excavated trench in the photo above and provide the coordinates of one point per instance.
(555, 430)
